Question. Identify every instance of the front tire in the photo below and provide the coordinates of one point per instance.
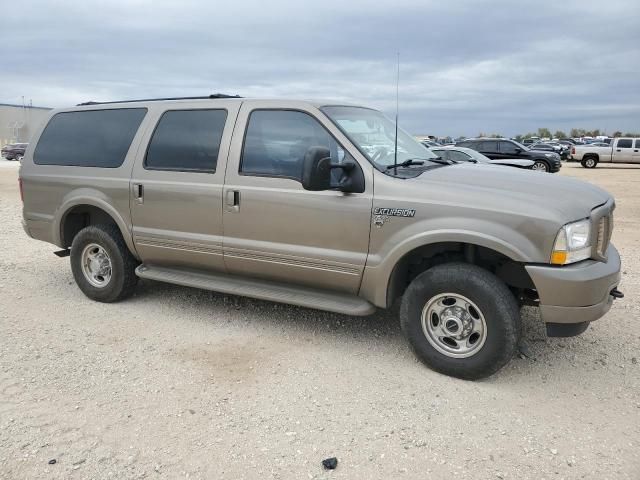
(540, 166)
(461, 320)
(102, 265)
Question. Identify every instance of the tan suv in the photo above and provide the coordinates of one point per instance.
(313, 204)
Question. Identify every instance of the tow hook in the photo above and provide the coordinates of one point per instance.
(615, 293)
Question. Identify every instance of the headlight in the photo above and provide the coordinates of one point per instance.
(573, 243)
(549, 155)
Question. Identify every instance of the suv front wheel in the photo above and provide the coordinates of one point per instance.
(102, 265)
(461, 320)
(540, 166)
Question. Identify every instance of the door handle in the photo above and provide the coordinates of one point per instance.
(618, 150)
(233, 200)
(138, 191)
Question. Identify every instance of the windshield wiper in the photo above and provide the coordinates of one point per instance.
(407, 163)
(442, 161)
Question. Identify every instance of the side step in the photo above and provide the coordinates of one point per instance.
(261, 289)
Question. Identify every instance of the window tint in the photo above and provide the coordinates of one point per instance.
(508, 148)
(187, 140)
(489, 146)
(91, 138)
(441, 153)
(624, 143)
(277, 141)
(637, 142)
(458, 156)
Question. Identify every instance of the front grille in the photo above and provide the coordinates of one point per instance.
(605, 229)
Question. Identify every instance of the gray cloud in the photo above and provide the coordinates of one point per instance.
(466, 66)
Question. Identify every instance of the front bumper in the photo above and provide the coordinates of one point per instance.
(576, 293)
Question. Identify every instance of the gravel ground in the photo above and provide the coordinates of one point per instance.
(178, 382)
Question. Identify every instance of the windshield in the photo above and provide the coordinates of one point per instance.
(519, 145)
(374, 135)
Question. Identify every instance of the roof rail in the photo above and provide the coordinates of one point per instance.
(215, 95)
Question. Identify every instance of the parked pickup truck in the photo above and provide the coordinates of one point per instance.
(313, 204)
(621, 150)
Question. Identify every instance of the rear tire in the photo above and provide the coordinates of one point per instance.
(102, 264)
(462, 298)
(589, 162)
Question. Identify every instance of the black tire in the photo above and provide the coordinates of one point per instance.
(123, 265)
(496, 303)
(589, 162)
(541, 166)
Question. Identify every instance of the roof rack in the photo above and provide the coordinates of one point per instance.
(215, 95)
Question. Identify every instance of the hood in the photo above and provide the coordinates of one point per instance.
(513, 190)
(513, 162)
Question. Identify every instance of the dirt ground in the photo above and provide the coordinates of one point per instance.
(182, 383)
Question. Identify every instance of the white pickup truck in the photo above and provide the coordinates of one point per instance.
(621, 150)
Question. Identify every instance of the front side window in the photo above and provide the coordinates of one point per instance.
(374, 135)
(276, 142)
(624, 143)
(508, 148)
(186, 140)
(89, 138)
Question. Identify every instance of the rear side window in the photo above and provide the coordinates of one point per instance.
(187, 140)
(490, 147)
(624, 143)
(90, 138)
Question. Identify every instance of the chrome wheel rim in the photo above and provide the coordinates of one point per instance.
(454, 325)
(96, 265)
(539, 167)
(590, 162)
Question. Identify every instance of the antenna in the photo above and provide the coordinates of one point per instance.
(395, 148)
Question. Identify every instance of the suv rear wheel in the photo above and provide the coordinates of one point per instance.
(540, 166)
(461, 320)
(102, 265)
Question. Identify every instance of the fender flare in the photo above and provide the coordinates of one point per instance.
(95, 200)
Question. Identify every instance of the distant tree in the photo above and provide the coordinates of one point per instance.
(617, 133)
(629, 134)
(577, 132)
(544, 133)
(518, 138)
(560, 134)
(495, 135)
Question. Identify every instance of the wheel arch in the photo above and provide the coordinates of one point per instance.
(79, 212)
(383, 284)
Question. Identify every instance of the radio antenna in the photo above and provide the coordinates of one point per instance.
(395, 148)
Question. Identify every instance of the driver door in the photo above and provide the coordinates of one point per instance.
(273, 228)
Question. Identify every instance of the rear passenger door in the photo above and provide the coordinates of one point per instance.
(176, 185)
(623, 151)
(489, 148)
(636, 151)
(273, 228)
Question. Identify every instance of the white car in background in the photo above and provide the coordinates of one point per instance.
(463, 154)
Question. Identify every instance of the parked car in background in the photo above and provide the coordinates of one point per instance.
(530, 141)
(622, 150)
(463, 154)
(550, 147)
(430, 143)
(14, 151)
(503, 148)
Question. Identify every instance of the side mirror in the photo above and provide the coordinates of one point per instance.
(316, 169)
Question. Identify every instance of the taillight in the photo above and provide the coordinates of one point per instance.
(21, 191)
(573, 150)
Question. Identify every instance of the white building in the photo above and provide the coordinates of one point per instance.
(18, 122)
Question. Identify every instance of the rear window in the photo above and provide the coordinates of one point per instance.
(90, 138)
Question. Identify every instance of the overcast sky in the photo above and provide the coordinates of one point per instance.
(466, 67)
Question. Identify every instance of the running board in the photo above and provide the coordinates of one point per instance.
(261, 289)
